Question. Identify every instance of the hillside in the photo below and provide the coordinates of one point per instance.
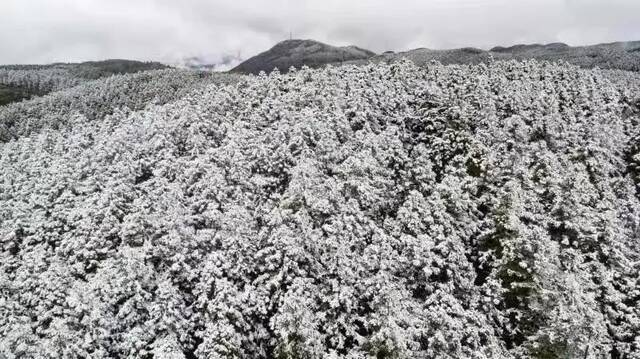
(13, 93)
(298, 53)
(97, 99)
(374, 211)
(18, 82)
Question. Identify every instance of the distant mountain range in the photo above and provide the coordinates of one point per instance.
(618, 55)
(297, 53)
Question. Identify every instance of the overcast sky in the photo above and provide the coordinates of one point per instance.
(44, 31)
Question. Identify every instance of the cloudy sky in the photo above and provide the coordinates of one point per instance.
(44, 31)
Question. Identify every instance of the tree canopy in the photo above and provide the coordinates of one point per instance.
(377, 211)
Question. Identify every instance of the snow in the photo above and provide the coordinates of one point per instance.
(385, 210)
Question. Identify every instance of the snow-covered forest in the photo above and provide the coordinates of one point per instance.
(376, 211)
(25, 81)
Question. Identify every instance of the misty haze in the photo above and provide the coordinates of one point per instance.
(320, 179)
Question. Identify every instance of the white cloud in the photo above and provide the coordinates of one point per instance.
(41, 31)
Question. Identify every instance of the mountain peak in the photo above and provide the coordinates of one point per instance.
(298, 53)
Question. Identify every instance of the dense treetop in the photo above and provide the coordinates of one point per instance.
(379, 211)
(96, 99)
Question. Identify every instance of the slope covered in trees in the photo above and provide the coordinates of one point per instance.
(96, 99)
(18, 82)
(382, 211)
(13, 93)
